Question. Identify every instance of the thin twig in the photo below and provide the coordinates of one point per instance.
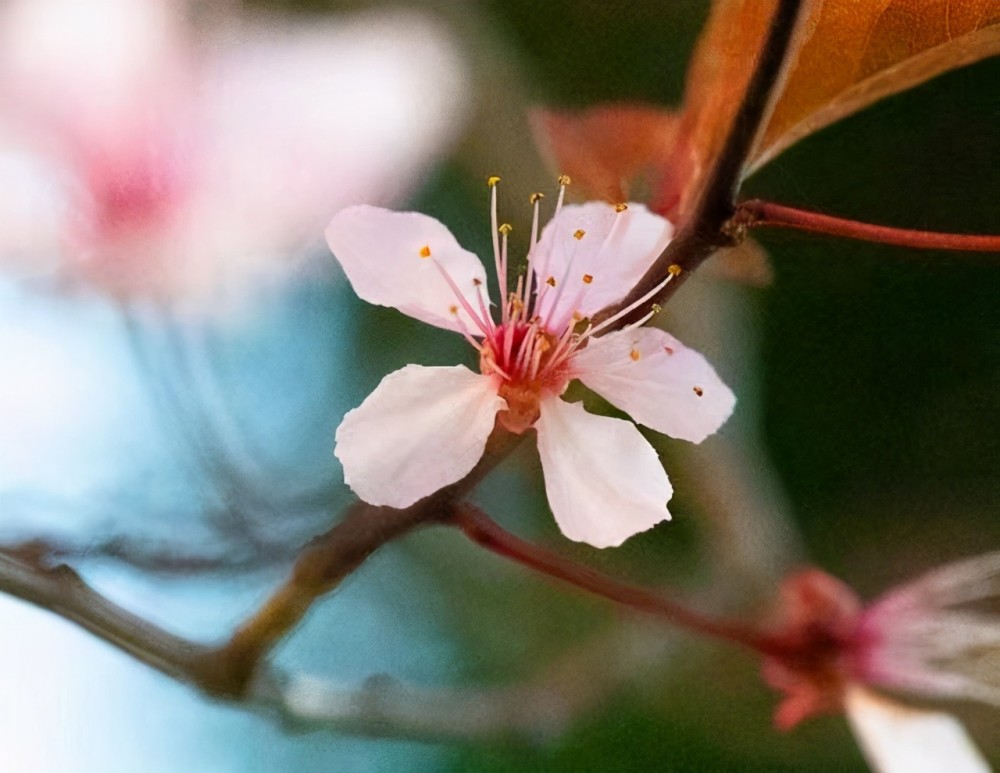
(705, 231)
(536, 710)
(60, 590)
(480, 528)
(164, 558)
(333, 556)
(760, 214)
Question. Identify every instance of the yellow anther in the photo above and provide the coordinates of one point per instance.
(699, 391)
(534, 198)
(634, 354)
(587, 279)
(579, 233)
(577, 316)
(492, 180)
(564, 179)
(425, 251)
(657, 308)
(674, 269)
(505, 228)
(453, 309)
(551, 281)
(621, 207)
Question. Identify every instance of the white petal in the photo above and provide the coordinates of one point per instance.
(375, 97)
(898, 739)
(615, 250)
(380, 252)
(420, 430)
(658, 381)
(603, 480)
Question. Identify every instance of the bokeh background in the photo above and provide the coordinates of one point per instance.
(866, 439)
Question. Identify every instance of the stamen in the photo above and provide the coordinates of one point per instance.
(501, 277)
(579, 233)
(516, 302)
(632, 306)
(527, 346)
(634, 355)
(639, 322)
(551, 281)
(565, 346)
(505, 230)
(535, 198)
(536, 358)
(508, 343)
(619, 208)
(587, 279)
(674, 269)
(425, 251)
(464, 330)
(699, 391)
(563, 182)
(461, 299)
(481, 297)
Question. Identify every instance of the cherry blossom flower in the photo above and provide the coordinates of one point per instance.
(931, 637)
(426, 427)
(156, 159)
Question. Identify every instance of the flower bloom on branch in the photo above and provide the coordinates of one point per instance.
(426, 427)
(934, 637)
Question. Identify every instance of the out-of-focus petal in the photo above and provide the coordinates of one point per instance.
(420, 430)
(396, 259)
(34, 208)
(87, 67)
(298, 122)
(899, 739)
(598, 254)
(928, 636)
(603, 480)
(658, 381)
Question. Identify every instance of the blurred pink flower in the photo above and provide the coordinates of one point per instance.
(933, 637)
(426, 427)
(155, 160)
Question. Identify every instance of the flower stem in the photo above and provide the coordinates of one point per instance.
(481, 529)
(757, 213)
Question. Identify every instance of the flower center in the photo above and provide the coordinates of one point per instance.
(529, 362)
(529, 349)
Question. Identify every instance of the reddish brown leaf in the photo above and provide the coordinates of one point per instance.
(857, 53)
(848, 55)
(608, 150)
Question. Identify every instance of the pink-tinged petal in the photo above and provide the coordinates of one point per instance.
(658, 381)
(598, 253)
(603, 480)
(420, 430)
(389, 258)
(376, 97)
(899, 739)
(928, 636)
